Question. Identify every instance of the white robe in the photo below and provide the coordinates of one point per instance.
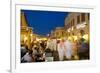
(60, 52)
(68, 52)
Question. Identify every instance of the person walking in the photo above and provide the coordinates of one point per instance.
(27, 57)
(68, 49)
(61, 50)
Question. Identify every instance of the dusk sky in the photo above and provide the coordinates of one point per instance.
(43, 22)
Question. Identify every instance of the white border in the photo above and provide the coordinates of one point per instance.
(16, 66)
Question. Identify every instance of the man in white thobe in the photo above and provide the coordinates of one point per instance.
(68, 50)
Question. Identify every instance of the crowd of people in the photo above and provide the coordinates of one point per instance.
(55, 50)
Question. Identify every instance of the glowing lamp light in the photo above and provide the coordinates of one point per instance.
(85, 36)
(69, 38)
(31, 34)
(75, 38)
(44, 38)
(48, 34)
(37, 39)
(69, 30)
(81, 25)
(59, 39)
(25, 38)
(72, 28)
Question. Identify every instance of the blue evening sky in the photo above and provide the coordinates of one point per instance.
(43, 22)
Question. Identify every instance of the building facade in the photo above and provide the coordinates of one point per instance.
(77, 24)
(59, 32)
(26, 32)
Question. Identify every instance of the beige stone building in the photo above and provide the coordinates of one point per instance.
(59, 32)
(26, 32)
(77, 24)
